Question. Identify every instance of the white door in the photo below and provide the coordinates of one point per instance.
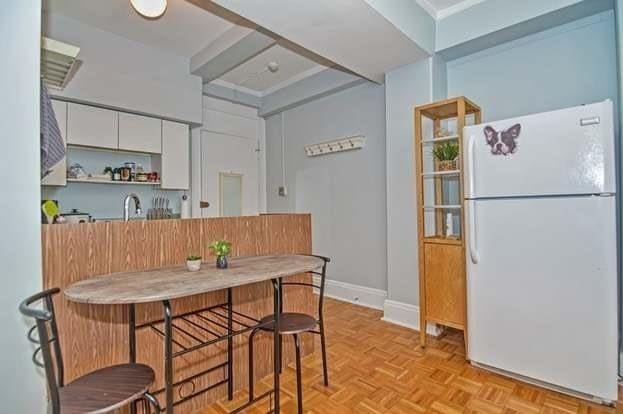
(230, 159)
(570, 151)
(542, 290)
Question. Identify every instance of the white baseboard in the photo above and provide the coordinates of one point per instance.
(407, 315)
(398, 313)
(359, 295)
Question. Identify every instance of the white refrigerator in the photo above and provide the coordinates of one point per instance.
(541, 256)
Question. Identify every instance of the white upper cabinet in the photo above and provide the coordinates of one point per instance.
(175, 172)
(58, 175)
(140, 133)
(92, 127)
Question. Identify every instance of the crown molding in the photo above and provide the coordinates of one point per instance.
(294, 79)
(429, 8)
(457, 8)
(260, 94)
(238, 88)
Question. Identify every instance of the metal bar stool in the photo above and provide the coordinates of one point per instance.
(294, 324)
(101, 391)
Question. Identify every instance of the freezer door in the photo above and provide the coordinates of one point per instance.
(570, 151)
(542, 290)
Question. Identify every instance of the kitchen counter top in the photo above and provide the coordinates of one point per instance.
(176, 281)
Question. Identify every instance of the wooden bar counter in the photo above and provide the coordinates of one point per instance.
(94, 336)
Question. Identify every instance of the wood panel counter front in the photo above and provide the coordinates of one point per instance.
(94, 336)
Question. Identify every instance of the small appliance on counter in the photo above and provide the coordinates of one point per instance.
(75, 217)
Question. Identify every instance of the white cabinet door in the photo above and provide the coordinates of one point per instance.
(140, 133)
(58, 175)
(175, 173)
(92, 127)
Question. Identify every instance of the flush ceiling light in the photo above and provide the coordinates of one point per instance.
(151, 9)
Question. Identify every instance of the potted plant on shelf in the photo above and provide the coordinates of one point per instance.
(193, 263)
(447, 154)
(221, 248)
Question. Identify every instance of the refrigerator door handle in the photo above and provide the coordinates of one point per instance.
(470, 166)
(473, 248)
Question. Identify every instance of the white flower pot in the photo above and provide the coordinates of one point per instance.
(193, 265)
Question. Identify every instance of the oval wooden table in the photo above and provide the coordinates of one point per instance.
(165, 284)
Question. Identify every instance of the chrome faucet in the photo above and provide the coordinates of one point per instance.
(126, 205)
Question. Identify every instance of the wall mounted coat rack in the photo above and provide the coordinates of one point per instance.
(337, 145)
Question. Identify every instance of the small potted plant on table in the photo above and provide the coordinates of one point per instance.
(193, 263)
(221, 248)
(447, 154)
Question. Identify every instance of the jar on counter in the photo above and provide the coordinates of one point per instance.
(116, 175)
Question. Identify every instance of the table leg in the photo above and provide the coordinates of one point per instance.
(132, 342)
(230, 347)
(168, 356)
(276, 342)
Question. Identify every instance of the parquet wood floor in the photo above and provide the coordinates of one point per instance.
(376, 367)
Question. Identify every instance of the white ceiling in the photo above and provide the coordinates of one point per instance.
(183, 30)
(252, 73)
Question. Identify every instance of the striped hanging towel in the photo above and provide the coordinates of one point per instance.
(52, 145)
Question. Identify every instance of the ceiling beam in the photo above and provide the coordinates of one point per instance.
(326, 82)
(219, 91)
(367, 37)
(231, 49)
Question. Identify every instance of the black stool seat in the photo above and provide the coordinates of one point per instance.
(290, 323)
(106, 389)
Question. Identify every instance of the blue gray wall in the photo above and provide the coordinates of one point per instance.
(570, 65)
(344, 192)
(406, 87)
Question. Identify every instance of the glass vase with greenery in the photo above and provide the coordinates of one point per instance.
(221, 248)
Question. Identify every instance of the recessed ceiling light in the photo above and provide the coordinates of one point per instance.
(151, 9)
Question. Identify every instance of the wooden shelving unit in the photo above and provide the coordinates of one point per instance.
(439, 201)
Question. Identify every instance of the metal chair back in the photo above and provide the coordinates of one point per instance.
(48, 353)
(320, 286)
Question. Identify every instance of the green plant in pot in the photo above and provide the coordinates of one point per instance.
(447, 154)
(221, 248)
(193, 263)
